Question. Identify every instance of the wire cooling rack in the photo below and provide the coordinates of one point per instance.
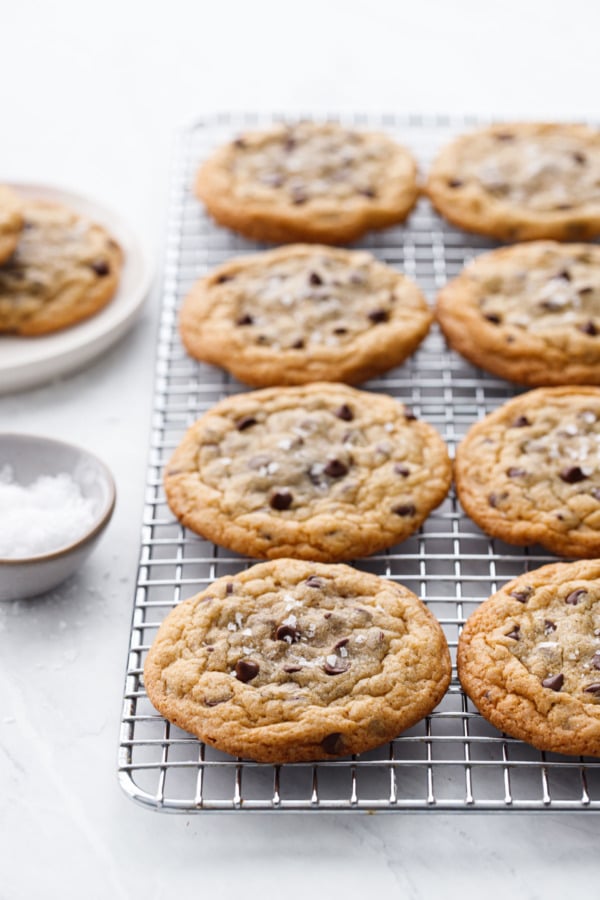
(451, 761)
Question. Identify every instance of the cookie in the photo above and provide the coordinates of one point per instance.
(529, 658)
(530, 471)
(321, 472)
(294, 661)
(529, 313)
(11, 222)
(304, 313)
(317, 182)
(521, 182)
(64, 269)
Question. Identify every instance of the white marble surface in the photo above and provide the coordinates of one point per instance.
(90, 95)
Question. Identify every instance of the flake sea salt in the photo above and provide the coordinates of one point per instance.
(41, 517)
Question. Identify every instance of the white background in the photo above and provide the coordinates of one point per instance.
(89, 97)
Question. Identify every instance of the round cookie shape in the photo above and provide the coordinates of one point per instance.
(529, 313)
(64, 269)
(529, 658)
(530, 471)
(521, 181)
(294, 661)
(321, 472)
(304, 313)
(11, 222)
(317, 182)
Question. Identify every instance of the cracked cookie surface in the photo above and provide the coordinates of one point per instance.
(529, 313)
(64, 269)
(529, 658)
(304, 313)
(292, 661)
(530, 471)
(11, 221)
(321, 471)
(308, 182)
(521, 181)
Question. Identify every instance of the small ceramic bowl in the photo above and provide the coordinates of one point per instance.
(29, 457)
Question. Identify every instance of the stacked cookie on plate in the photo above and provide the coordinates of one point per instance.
(56, 267)
(301, 658)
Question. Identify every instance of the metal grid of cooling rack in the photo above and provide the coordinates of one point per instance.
(451, 761)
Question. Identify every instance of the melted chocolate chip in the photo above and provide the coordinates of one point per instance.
(564, 206)
(579, 158)
(572, 474)
(333, 744)
(287, 631)
(229, 587)
(344, 412)
(281, 499)
(554, 682)
(514, 634)
(582, 291)
(100, 267)
(593, 688)
(575, 596)
(521, 595)
(340, 331)
(298, 345)
(291, 669)
(549, 626)
(409, 415)
(493, 318)
(240, 143)
(564, 274)
(315, 278)
(289, 144)
(494, 499)
(596, 660)
(299, 196)
(337, 669)
(515, 472)
(313, 581)
(221, 279)
(217, 701)
(368, 192)
(245, 422)
(405, 509)
(341, 643)
(246, 670)
(401, 469)
(335, 468)
(378, 315)
(505, 136)
(455, 183)
(589, 328)
(245, 320)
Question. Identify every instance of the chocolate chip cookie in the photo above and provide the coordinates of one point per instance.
(521, 181)
(321, 472)
(293, 661)
(529, 658)
(304, 313)
(308, 182)
(529, 313)
(530, 471)
(64, 269)
(11, 222)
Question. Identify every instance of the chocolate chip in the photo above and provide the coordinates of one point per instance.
(368, 192)
(298, 345)
(494, 499)
(341, 643)
(514, 634)
(291, 669)
(575, 596)
(522, 595)
(493, 318)
(289, 144)
(589, 328)
(217, 701)
(564, 274)
(245, 422)
(262, 339)
(549, 626)
(521, 422)
(580, 158)
(313, 581)
(315, 278)
(596, 660)
(229, 587)
(405, 509)
(505, 136)
(572, 474)
(245, 320)
(246, 670)
(378, 315)
(593, 688)
(564, 206)
(333, 744)
(409, 415)
(221, 279)
(338, 668)
(554, 682)
(340, 331)
(287, 631)
(582, 291)
(240, 143)
(299, 196)
(344, 412)
(335, 468)
(515, 472)
(100, 267)
(281, 499)
(455, 183)
(401, 469)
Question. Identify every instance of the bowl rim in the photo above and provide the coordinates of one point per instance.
(94, 530)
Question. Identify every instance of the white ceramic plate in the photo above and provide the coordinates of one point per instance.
(27, 362)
